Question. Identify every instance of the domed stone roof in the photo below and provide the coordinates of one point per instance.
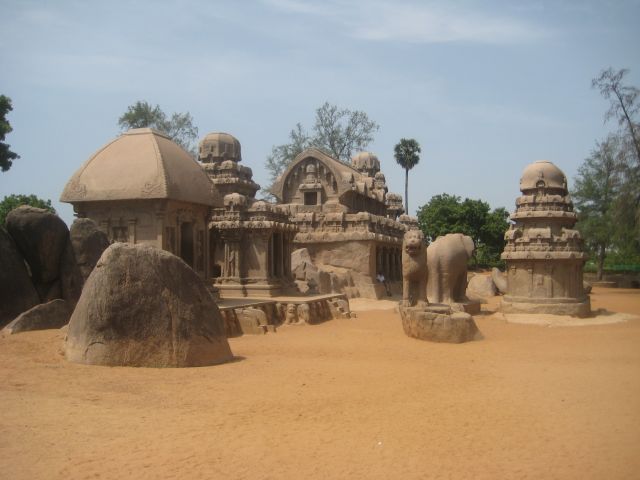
(366, 162)
(542, 174)
(218, 146)
(140, 164)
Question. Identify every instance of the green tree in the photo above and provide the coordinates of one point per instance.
(179, 127)
(6, 156)
(624, 105)
(11, 202)
(406, 154)
(339, 132)
(449, 214)
(595, 193)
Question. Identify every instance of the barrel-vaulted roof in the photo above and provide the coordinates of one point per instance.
(140, 164)
(347, 178)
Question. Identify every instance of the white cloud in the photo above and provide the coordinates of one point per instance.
(386, 20)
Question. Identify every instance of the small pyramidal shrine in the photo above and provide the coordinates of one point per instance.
(544, 253)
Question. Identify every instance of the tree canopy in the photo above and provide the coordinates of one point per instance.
(446, 213)
(179, 127)
(11, 202)
(595, 193)
(339, 132)
(607, 187)
(406, 154)
(6, 155)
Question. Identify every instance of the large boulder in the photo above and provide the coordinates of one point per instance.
(17, 293)
(499, 280)
(481, 287)
(88, 243)
(145, 307)
(71, 281)
(53, 314)
(41, 238)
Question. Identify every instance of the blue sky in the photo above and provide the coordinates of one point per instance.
(486, 87)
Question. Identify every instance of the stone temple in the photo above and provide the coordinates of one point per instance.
(143, 188)
(544, 253)
(346, 219)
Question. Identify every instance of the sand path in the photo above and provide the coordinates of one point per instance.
(350, 398)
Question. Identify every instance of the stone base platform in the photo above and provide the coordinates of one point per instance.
(263, 315)
(439, 323)
(569, 307)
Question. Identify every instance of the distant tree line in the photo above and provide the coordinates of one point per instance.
(446, 213)
(606, 190)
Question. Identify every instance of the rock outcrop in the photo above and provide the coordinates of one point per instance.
(481, 287)
(88, 244)
(53, 314)
(499, 280)
(145, 307)
(17, 293)
(41, 237)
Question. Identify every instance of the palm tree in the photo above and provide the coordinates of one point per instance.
(406, 153)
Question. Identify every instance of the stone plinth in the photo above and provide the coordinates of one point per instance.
(438, 323)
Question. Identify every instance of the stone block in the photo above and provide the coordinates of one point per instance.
(439, 325)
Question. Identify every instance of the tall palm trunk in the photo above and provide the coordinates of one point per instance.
(406, 191)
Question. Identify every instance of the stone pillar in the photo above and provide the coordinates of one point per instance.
(131, 230)
(386, 270)
(159, 221)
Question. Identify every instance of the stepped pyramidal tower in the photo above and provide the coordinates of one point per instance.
(544, 253)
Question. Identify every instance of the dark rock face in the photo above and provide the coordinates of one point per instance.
(41, 238)
(53, 314)
(439, 324)
(88, 244)
(145, 307)
(71, 280)
(17, 293)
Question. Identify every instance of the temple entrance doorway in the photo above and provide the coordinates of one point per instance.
(186, 242)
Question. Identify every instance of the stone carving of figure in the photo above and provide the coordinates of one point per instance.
(414, 269)
(447, 260)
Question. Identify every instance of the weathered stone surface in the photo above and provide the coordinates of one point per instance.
(71, 280)
(88, 243)
(587, 287)
(544, 252)
(302, 286)
(439, 325)
(499, 280)
(291, 314)
(299, 258)
(414, 269)
(252, 321)
(145, 307)
(17, 293)
(481, 287)
(41, 238)
(53, 314)
(304, 313)
(447, 260)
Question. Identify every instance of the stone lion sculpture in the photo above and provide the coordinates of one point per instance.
(414, 269)
(447, 260)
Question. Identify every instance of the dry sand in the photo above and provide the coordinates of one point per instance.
(352, 398)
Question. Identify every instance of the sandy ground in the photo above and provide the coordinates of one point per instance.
(350, 398)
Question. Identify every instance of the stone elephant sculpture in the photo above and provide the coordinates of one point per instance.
(447, 260)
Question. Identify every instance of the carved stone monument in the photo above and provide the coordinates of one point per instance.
(544, 253)
(346, 218)
(445, 321)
